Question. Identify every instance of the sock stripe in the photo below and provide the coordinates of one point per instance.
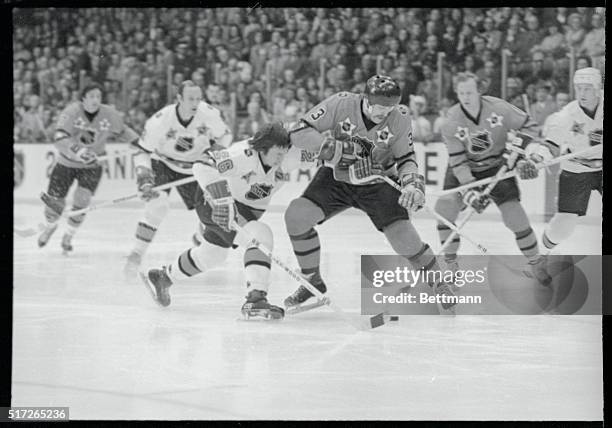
(424, 248)
(142, 238)
(309, 234)
(443, 227)
(258, 263)
(147, 226)
(529, 247)
(430, 264)
(307, 252)
(186, 264)
(523, 234)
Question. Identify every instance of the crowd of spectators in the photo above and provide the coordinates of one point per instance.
(261, 64)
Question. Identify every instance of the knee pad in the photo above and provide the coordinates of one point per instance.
(561, 226)
(514, 216)
(258, 230)
(54, 207)
(301, 215)
(449, 206)
(156, 209)
(81, 198)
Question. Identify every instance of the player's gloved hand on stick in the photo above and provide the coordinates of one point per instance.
(475, 199)
(413, 192)
(366, 168)
(86, 155)
(341, 153)
(527, 169)
(145, 183)
(223, 209)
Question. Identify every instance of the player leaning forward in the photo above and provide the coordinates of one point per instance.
(81, 134)
(578, 126)
(173, 139)
(236, 183)
(475, 136)
(370, 129)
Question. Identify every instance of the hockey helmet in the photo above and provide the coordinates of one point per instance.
(382, 90)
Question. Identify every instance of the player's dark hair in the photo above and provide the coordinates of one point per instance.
(185, 84)
(268, 136)
(90, 87)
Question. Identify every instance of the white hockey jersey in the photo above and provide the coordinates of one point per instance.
(178, 144)
(249, 183)
(573, 130)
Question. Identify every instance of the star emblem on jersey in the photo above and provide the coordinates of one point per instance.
(346, 127)
(578, 128)
(462, 133)
(80, 123)
(247, 177)
(384, 135)
(171, 133)
(495, 120)
(104, 125)
(202, 129)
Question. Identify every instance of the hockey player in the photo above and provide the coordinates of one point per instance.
(475, 135)
(173, 139)
(81, 134)
(578, 126)
(236, 183)
(370, 128)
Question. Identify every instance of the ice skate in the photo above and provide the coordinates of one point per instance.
(46, 235)
(295, 303)
(131, 265)
(539, 272)
(67, 243)
(158, 284)
(444, 290)
(257, 305)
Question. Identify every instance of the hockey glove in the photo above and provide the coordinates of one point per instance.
(413, 192)
(526, 169)
(220, 199)
(86, 156)
(145, 183)
(475, 199)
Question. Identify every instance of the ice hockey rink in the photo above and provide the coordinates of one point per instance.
(85, 338)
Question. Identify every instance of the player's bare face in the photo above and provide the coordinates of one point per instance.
(189, 100)
(587, 95)
(275, 156)
(92, 100)
(375, 112)
(467, 93)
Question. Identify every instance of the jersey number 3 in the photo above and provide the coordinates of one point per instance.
(317, 114)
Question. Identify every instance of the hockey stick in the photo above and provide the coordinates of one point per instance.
(511, 174)
(372, 322)
(450, 225)
(31, 231)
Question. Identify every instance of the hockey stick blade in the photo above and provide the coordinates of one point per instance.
(28, 232)
(293, 310)
(359, 324)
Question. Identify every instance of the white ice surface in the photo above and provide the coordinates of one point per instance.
(83, 337)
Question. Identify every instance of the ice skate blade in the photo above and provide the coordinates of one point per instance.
(292, 310)
(261, 314)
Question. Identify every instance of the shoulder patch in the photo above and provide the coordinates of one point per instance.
(343, 94)
(248, 152)
(226, 165)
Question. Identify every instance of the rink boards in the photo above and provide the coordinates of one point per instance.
(33, 164)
